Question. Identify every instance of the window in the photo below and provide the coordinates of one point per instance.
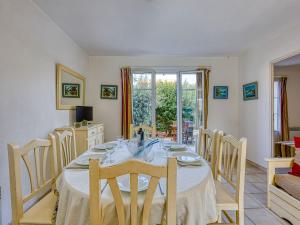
(170, 100)
(277, 106)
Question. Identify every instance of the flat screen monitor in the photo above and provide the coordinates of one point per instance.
(84, 113)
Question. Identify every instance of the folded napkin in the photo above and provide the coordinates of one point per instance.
(177, 148)
(74, 165)
(195, 163)
(103, 146)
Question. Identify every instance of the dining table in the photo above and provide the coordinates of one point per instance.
(195, 196)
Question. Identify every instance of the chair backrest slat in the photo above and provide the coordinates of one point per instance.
(95, 194)
(133, 168)
(29, 170)
(133, 196)
(44, 166)
(36, 165)
(148, 199)
(171, 191)
(118, 199)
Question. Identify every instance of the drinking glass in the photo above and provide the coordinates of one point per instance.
(161, 143)
(110, 152)
(120, 140)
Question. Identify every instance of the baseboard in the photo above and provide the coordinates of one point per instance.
(256, 165)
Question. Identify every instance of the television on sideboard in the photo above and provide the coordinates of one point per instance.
(84, 113)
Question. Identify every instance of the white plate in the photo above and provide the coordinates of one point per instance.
(124, 183)
(104, 147)
(187, 157)
(84, 160)
(168, 144)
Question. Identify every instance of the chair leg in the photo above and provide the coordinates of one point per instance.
(240, 218)
(220, 216)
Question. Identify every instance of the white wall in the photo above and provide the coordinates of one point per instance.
(30, 45)
(223, 114)
(255, 116)
(293, 91)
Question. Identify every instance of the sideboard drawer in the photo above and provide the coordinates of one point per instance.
(100, 129)
(92, 131)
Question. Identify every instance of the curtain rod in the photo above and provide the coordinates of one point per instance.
(171, 66)
(280, 76)
(179, 68)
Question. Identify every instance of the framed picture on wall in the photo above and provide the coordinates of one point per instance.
(108, 91)
(220, 92)
(250, 91)
(70, 90)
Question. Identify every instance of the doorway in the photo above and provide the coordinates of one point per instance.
(285, 105)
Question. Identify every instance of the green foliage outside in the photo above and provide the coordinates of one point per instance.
(166, 102)
(166, 106)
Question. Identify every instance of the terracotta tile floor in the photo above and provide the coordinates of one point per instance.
(256, 211)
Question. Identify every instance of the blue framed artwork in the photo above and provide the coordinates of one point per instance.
(250, 91)
(220, 92)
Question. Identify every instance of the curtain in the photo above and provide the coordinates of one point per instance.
(199, 98)
(202, 80)
(126, 101)
(284, 110)
(206, 73)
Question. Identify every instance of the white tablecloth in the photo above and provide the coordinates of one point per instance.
(196, 203)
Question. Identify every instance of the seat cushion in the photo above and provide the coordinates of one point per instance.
(225, 200)
(295, 170)
(289, 183)
(42, 212)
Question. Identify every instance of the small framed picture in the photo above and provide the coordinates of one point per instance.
(220, 92)
(109, 91)
(250, 91)
(70, 90)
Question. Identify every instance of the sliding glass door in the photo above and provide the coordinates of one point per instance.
(171, 101)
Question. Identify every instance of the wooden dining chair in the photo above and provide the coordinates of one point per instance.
(150, 131)
(209, 145)
(36, 155)
(133, 168)
(230, 182)
(66, 147)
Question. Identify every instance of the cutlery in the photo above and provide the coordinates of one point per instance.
(76, 168)
(104, 187)
(160, 189)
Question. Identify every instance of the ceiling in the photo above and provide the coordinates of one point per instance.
(292, 61)
(171, 27)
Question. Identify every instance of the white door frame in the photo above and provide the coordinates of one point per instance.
(272, 71)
